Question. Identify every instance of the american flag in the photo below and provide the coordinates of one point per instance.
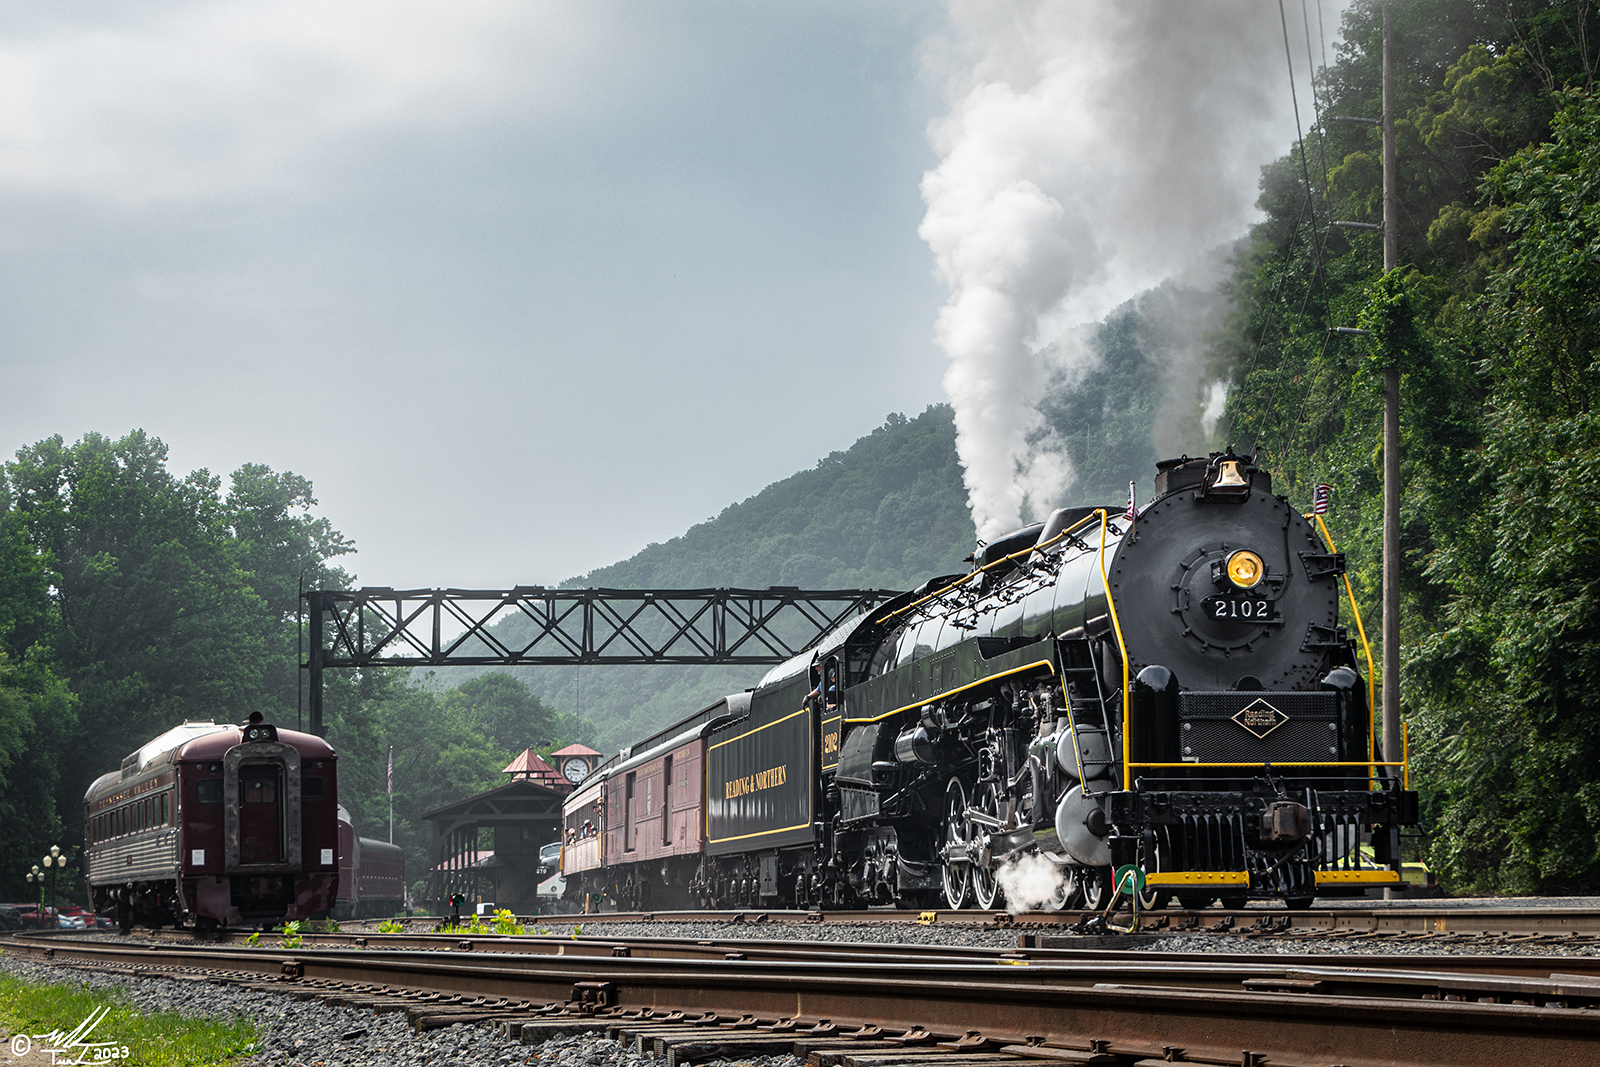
(1133, 508)
(391, 770)
(1321, 499)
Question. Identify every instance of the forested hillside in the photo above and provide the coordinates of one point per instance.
(1493, 319)
(887, 513)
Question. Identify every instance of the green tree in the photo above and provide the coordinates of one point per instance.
(500, 707)
(1525, 624)
(438, 759)
(38, 714)
(282, 550)
(153, 620)
(1491, 320)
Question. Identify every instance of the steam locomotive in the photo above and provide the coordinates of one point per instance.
(1164, 693)
(211, 824)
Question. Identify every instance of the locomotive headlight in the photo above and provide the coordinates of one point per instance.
(1245, 569)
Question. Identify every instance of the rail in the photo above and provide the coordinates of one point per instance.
(855, 1013)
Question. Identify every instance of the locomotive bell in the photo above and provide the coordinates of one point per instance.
(1230, 478)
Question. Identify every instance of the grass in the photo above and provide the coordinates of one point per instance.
(160, 1039)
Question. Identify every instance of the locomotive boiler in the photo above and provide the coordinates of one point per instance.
(1167, 693)
(211, 824)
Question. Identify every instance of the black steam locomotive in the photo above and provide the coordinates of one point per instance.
(1167, 694)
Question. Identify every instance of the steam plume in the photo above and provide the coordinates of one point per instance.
(1029, 883)
(1094, 147)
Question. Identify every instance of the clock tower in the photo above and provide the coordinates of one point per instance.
(576, 762)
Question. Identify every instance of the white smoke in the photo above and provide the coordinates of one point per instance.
(1030, 882)
(1093, 148)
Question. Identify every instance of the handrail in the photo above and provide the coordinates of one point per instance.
(1372, 695)
(1405, 754)
(1122, 648)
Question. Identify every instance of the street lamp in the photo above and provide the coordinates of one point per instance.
(53, 863)
(36, 875)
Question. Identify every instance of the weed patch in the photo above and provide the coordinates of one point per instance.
(117, 1033)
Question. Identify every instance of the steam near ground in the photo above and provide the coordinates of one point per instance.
(1030, 883)
(1093, 149)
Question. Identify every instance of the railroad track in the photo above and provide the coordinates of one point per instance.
(877, 1006)
(1029, 949)
(1415, 920)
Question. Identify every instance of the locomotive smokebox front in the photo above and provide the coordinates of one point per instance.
(1228, 589)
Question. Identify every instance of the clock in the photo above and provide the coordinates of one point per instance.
(576, 769)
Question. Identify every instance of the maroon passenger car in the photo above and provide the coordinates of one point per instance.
(215, 825)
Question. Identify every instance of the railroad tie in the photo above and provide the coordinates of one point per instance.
(813, 1051)
(542, 1029)
(733, 1047)
(923, 1054)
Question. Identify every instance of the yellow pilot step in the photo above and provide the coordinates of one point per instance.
(1198, 878)
(1358, 878)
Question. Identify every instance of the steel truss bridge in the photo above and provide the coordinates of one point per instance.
(533, 625)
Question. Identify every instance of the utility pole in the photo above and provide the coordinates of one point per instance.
(1391, 432)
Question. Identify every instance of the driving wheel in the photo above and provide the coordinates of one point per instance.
(985, 887)
(957, 872)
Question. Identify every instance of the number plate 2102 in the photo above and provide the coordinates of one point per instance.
(1243, 609)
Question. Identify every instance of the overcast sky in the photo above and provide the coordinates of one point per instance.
(519, 286)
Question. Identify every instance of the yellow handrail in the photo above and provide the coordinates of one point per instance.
(1372, 694)
(1122, 647)
(1405, 755)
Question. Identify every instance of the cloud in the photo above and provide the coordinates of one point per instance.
(208, 99)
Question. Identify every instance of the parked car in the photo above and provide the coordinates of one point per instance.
(71, 922)
(552, 883)
(10, 917)
(90, 919)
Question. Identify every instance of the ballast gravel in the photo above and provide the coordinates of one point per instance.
(297, 1033)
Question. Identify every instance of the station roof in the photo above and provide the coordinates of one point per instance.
(531, 767)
